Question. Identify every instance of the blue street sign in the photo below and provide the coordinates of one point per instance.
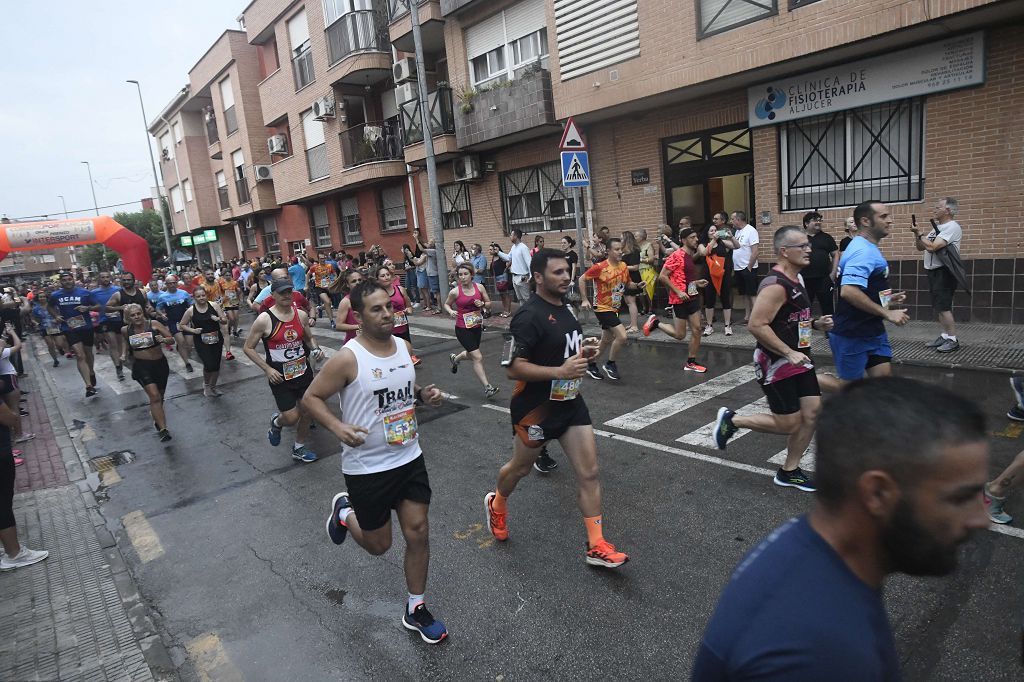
(575, 169)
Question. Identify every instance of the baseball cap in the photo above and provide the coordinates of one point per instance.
(279, 285)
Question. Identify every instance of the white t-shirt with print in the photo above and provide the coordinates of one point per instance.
(952, 233)
(747, 238)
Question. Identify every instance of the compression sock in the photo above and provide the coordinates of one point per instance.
(595, 533)
(499, 503)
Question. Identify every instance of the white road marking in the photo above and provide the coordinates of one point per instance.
(684, 400)
(705, 434)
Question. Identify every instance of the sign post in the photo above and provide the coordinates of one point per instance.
(576, 174)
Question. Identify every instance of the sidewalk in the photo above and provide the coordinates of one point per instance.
(77, 614)
(992, 347)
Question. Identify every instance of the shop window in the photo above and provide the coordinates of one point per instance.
(715, 16)
(846, 158)
(533, 199)
(455, 208)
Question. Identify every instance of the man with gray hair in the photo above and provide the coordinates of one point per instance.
(945, 234)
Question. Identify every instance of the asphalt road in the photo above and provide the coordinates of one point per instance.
(225, 534)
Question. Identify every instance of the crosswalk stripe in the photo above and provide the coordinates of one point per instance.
(705, 434)
(684, 400)
(806, 461)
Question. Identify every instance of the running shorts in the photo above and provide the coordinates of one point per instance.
(608, 320)
(111, 326)
(287, 394)
(942, 285)
(8, 383)
(784, 395)
(548, 421)
(854, 355)
(469, 338)
(682, 311)
(209, 354)
(404, 334)
(373, 496)
(314, 295)
(83, 336)
(151, 372)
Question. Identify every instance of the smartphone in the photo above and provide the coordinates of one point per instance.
(913, 220)
(508, 352)
(723, 234)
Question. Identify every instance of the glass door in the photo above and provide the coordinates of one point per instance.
(708, 172)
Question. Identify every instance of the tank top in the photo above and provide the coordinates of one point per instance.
(286, 346)
(792, 324)
(231, 293)
(350, 319)
(141, 340)
(381, 399)
(398, 305)
(469, 316)
(138, 299)
(210, 328)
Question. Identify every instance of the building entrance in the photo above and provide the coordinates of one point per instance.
(708, 172)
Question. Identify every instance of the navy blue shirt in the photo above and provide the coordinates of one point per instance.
(66, 302)
(863, 266)
(794, 611)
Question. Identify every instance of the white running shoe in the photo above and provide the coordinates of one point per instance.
(26, 557)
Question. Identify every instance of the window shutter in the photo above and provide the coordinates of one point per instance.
(298, 30)
(227, 95)
(524, 18)
(483, 37)
(592, 35)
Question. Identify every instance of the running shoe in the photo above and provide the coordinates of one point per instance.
(303, 454)
(545, 463)
(56, 362)
(728, 330)
(432, 631)
(69, 355)
(415, 361)
(496, 523)
(724, 428)
(594, 373)
(490, 391)
(708, 330)
(936, 343)
(1016, 414)
(611, 370)
(1017, 384)
(188, 367)
(949, 346)
(336, 530)
(454, 359)
(994, 507)
(695, 367)
(90, 391)
(26, 557)
(274, 434)
(25, 438)
(651, 324)
(796, 478)
(120, 372)
(165, 435)
(229, 356)
(605, 555)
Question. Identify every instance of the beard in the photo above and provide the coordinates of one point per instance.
(912, 549)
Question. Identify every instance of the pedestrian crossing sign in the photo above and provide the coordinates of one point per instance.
(575, 169)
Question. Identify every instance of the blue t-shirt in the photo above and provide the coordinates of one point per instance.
(862, 265)
(480, 265)
(794, 612)
(66, 302)
(298, 274)
(174, 304)
(43, 316)
(101, 295)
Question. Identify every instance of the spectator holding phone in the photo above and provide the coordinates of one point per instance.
(941, 249)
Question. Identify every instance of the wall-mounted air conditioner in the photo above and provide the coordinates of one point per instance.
(323, 108)
(277, 144)
(404, 70)
(466, 168)
(262, 172)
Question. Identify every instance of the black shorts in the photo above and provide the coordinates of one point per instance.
(209, 353)
(373, 496)
(547, 421)
(111, 326)
(682, 311)
(608, 320)
(746, 282)
(8, 383)
(784, 395)
(287, 394)
(942, 285)
(151, 372)
(469, 338)
(314, 295)
(82, 335)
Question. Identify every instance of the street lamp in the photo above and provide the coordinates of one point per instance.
(71, 249)
(95, 204)
(62, 203)
(156, 178)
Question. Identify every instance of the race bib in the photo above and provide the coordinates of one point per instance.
(232, 295)
(473, 319)
(400, 427)
(113, 315)
(617, 298)
(565, 389)
(210, 338)
(691, 289)
(401, 319)
(884, 297)
(294, 368)
(141, 341)
(805, 333)
(53, 331)
(75, 322)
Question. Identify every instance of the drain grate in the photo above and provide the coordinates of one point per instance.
(111, 460)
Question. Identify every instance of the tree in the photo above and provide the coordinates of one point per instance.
(146, 224)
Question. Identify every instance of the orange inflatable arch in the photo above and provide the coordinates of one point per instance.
(133, 249)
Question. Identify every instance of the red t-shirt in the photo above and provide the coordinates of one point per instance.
(297, 299)
(675, 266)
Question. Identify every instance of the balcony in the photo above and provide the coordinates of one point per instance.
(431, 25)
(230, 119)
(222, 196)
(507, 112)
(212, 135)
(316, 161)
(242, 187)
(442, 127)
(358, 31)
(370, 142)
(449, 7)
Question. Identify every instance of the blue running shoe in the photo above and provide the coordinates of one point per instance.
(431, 630)
(724, 428)
(274, 434)
(335, 530)
(301, 453)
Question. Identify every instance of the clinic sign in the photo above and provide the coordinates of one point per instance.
(45, 235)
(939, 66)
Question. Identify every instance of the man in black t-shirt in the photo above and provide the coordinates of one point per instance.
(548, 360)
(824, 256)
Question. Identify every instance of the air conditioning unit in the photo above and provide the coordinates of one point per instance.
(262, 172)
(466, 168)
(406, 92)
(277, 144)
(323, 108)
(404, 70)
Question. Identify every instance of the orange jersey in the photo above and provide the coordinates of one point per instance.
(323, 275)
(213, 291)
(610, 282)
(231, 291)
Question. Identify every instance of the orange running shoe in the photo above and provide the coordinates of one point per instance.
(496, 523)
(605, 555)
(229, 356)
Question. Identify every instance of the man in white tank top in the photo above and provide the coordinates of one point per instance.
(382, 460)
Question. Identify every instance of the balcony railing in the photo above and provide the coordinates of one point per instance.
(242, 187)
(357, 31)
(230, 120)
(222, 195)
(371, 142)
(316, 159)
(442, 116)
(211, 129)
(302, 68)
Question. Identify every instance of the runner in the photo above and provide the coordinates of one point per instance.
(129, 293)
(110, 323)
(345, 319)
(400, 303)
(781, 321)
(611, 282)
(288, 341)
(146, 358)
(205, 320)
(214, 292)
(470, 300)
(681, 277)
(548, 359)
(69, 306)
(323, 275)
(230, 303)
(997, 488)
(48, 327)
(859, 341)
(172, 304)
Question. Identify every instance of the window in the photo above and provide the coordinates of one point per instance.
(393, 217)
(845, 158)
(176, 130)
(270, 240)
(176, 203)
(241, 183)
(166, 149)
(316, 148)
(227, 97)
(533, 199)
(595, 35)
(250, 236)
(715, 16)
(186, 186)
(489, 66)
(335, 9)
(455, 209)
(353, 26)
(351, 231)
(530, 48)
(222, 190)
(510, 38)
(302, 55)
(321, 226)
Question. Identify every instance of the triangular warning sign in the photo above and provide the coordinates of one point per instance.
(576, 172)
(572, 138)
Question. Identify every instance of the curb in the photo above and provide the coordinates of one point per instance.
(76, 461)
